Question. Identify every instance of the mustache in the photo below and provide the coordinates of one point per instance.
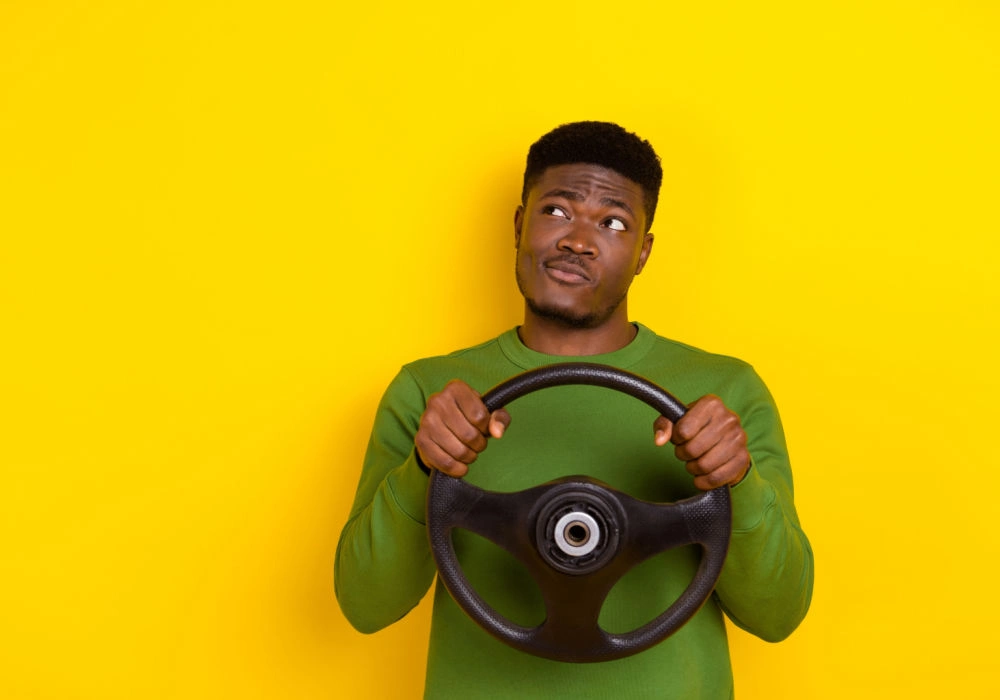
(569, 260)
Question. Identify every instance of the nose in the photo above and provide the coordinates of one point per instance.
(578, 240)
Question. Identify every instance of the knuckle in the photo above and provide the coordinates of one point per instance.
(468, 434)
(685, 431)
(714, 479)
(457, 388)
(479, 415)
(695, 467)
(429, 425)
(446, 465)
(423, 442)
(462, 430)
(474, 447)
(743, 461)
(424, 423)
(711, 402)
(462, 457)
(435, 402)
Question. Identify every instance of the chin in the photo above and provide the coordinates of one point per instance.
(551, 310)
(568, 317)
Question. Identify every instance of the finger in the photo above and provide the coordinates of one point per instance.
(699, 415)
(717, 426)
(731, 446)
(730, 473)
(471, 406)
(447, 444)
(436, 458)
(499, 422)
(444, 426)
(456, 410)
(465, 432)
(698, 446)
(662, 430)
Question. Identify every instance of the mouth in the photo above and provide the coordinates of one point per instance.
(566, 272)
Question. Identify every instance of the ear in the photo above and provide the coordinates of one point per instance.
(647, 248)
(518, 221)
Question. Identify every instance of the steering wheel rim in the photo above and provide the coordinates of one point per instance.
(575, 587)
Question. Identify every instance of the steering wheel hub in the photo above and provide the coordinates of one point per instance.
(577, 531)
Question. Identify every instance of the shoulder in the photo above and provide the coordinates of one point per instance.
(674, 351)
(474, 365)
(698, 371)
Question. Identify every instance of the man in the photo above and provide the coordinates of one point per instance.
(582, 233)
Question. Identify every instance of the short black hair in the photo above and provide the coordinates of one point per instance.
(598, 143)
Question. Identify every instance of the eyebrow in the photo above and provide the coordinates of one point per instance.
(571, 195)
(575, 196)
(612, 202)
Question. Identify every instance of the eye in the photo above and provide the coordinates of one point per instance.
(615, 224)
(553, 210)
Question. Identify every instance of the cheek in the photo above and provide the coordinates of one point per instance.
(524, 263)
(625, 269)
(523, 255)
(540, 235)
(530, 249)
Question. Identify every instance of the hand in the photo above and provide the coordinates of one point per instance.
(454, 428)
(710, 439)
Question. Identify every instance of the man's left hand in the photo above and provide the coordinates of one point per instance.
(710, 440)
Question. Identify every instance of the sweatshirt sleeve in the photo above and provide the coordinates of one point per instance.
(383, 565)
(766, 584)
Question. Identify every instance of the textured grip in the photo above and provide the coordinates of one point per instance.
(588, 373)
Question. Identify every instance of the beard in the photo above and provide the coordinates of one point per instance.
(567, 317)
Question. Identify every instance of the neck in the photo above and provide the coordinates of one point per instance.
(557, 338)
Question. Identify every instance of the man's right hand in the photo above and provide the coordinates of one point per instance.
(455, 427)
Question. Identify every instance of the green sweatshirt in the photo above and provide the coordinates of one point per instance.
(384, 566)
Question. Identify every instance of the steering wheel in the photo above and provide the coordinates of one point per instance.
(577, 536)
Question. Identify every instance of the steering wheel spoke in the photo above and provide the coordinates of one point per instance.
(572, 611)
(488, 514)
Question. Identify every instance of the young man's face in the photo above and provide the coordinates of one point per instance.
(581, 238)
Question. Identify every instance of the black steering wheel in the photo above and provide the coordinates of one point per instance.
(577, 536)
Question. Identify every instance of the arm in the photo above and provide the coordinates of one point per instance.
(766, 585)
(383, 565)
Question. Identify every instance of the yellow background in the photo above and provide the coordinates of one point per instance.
(225, 225)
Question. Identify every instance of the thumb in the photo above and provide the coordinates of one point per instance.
(663, 429)
(499, 422)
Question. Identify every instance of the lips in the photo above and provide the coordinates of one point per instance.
(566, 271)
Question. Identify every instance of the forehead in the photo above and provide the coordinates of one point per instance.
(588, 180)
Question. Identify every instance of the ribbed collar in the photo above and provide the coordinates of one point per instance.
(524, 357)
